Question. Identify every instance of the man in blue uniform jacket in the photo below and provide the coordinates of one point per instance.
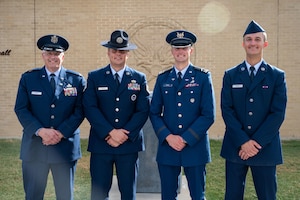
(49, 107)
(116, 103)
(253, 103)
(182, 110)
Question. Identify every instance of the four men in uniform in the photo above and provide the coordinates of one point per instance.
(116, 102)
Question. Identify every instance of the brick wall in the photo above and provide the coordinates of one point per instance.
(219, 26)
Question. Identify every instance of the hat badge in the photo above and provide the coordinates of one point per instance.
(180, 35)
(54, 39)
(119, 40)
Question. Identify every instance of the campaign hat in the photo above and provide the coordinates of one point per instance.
(253, 27)
(53, 43)
(119, 40)
(181, 38)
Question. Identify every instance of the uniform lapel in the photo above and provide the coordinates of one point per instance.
(244, 75)
(45, 82)
(61, 80)
(190, 72)
(126, 79)
(109, 78)
(260, 75)
(172, 79)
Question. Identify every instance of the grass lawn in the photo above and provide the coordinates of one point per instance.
(11, 187)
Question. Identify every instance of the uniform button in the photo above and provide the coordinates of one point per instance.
(179, 104)
(52, 105)
(179, 93)
(250, 113)
(192, 92)
(52, 117)
(117, 109)
(249, 127)
(180, 126)
(166, 92)
(251, 100)
(116, 120)
(179, 115)
(117, 99)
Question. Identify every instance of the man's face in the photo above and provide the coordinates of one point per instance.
(181, 54)
(254, 43)
(53, 60)
(117, 58)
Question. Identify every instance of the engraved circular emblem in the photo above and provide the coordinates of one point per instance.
(263, 69)
(133, 97)
(119, 40)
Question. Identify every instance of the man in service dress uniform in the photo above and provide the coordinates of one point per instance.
(182, 110)
(116, 103)
(253, 103)
(49, 107)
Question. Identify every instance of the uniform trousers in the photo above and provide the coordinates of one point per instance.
(102, 169)
(35, 176)
(169, 177)
(264, 179)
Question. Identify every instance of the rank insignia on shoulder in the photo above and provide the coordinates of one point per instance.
(204, 70)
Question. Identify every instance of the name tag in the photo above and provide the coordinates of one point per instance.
(167, 85)
(37, 93)
(237, 86)
(102, 88)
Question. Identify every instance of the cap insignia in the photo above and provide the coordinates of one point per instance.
(119, 40)
(180, 35)
(54, 39)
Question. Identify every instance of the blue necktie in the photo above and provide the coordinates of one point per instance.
(52, 83)
(179, 77)
(252, 73)
(117, 79)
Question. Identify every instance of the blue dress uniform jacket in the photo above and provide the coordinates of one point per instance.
(253, 111)
(107, 107)
(36, 107)
(187, 109)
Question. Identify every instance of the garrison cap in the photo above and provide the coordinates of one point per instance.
(253, 27)
(53, 43)
(181, 38)
(119, 40)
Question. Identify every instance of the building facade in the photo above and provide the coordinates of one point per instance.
(219, 26)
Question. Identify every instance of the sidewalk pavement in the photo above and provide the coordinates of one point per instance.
(115, 194)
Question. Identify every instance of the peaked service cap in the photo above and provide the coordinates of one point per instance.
(181, 38)
(53, 43)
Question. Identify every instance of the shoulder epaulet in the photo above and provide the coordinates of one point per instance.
(73, 72)
(202, 69)
(165, 71)
(33, 70)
